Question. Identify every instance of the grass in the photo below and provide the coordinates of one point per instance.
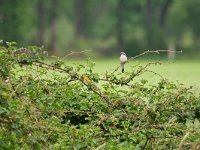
(183, 71)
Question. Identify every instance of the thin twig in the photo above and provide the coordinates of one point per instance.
(183, 140)
(5, 121)
(154, 73)
(76, 111)
(72, 53)
(154, 51)
(100, 146)
(144, 147)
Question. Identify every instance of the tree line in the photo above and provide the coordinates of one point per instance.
(101, 25)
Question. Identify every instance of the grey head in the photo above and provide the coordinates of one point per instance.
(122, 53)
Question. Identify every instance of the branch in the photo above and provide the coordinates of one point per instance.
(154, 51)
(72, 74)
(134, 74)
(77, 111)
(5, 121)
(145, 52)
(144, 147)
(183, 140)
(100, 146)
(72, 53)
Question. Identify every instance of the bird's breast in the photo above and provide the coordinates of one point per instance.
(123, 59)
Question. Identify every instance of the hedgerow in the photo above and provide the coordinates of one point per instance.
(51, 105)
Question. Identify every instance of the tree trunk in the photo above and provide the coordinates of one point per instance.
(162, 26)
(172, 47)
(79, 18)
(120, 25)
(163, 14)
(148, 18)
(54, 18)
(41, 22)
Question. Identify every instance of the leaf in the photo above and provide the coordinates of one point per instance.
(196, 123)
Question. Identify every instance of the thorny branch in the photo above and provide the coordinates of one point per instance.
(93, 87)
(73, 75)
(140, 71)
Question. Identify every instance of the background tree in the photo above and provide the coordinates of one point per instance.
(120, 24)
(15, 20)
(41, 22)
(54, 21)
(80, 18)
(105, 26)
(149, 20)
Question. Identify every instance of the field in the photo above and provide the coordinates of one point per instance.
(183, 71)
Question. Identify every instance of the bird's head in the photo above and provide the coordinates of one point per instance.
(122, 53)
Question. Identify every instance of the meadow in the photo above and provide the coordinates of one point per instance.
(186, 72)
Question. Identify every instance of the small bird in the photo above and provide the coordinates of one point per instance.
(123, 60)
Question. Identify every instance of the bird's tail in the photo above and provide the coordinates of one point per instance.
(123, 68)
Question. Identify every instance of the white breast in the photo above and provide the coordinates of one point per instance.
(123, 59)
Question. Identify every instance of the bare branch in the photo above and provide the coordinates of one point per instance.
(72, 53)
(145, 52)
(153, 51)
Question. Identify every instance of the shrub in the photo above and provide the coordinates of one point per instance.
(50, 105)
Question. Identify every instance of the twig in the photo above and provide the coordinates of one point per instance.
(47, 129)
(139, 129)
(153, 51)
(144, 147)
(101, 146)
(72, 53)
(154, 73)
(182, 141)
(76, 111)
(141, 71)
(5, 121)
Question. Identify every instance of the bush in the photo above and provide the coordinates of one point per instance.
(56, 106)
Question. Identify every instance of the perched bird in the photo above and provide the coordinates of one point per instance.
(123, 60)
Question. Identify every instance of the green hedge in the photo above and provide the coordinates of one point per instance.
(56, 106)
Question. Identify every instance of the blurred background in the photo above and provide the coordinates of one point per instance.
(103, 26)
(106, 27)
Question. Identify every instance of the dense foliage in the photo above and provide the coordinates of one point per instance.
(56, 106)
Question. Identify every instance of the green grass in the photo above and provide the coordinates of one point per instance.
(183, 71)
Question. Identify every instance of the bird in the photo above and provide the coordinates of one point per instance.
(123, 60)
